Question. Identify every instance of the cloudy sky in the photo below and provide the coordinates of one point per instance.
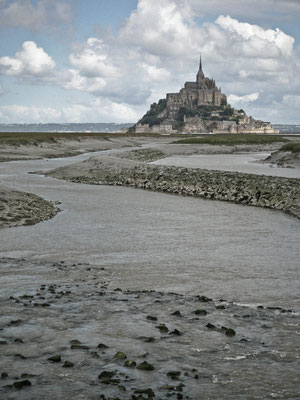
(107, 61)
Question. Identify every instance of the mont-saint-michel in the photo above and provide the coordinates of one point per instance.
(149, 255)
(199, 107)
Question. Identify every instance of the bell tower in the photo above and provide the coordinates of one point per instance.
(200, 74)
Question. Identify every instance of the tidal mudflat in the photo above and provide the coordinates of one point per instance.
(66, 332)
(134, 294)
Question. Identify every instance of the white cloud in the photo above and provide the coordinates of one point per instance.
(258, 38)
(28, 114)
(163, 29)
(92, 59)
(31, 61)
(157, 49)
(95, 111)
(36, 16)
(237, 100)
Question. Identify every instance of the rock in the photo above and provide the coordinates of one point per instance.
(176, 332)
(162, 328)
(4, 375)
(102, 346)
(151, 318)
(228, 331)
(68, 364)
(75, 341)
(106, 374)
(22, 384)
(17, 340)
(130, 364)
(200, 312)
(220, 307)
(16, 322)
(176, 313)
(120, 356)
(204, 299)
(210, 326)
(174, 374)
(79, 347)
(145, 366)
(122, 388)
(56, 358)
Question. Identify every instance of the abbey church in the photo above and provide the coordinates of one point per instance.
(202, 92)
(199, 107)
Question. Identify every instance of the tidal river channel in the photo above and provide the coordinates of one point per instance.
(158, 241)
(132, 294)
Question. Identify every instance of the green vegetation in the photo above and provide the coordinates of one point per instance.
(293, 147)
(232, 139)
(151, 117)
(35, 138)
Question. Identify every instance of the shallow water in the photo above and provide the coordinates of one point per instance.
(157, 241)
(243, 162)
(106, 238)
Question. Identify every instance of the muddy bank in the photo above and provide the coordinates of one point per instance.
(285, 159)
(71, 333)
(262, 191)
(56, 147)
(19, 208)
(66, 147)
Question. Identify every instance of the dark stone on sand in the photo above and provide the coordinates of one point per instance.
(68, 364)
(79, 347)
(149, 339)
(56, 358)
(17, 340)
(16, 322)
(129, 364)
(151, 318)
(228, 331)
(120, 356)
(174, 374)
(204, 299)
(107, 377)
(176, 332)
(177, 313)
(210, 326)
(220, 307)
(162, 328)
(19, 355)
(102, 346)
(106, 374)
(200, 312)
(21, 384)
(75, 341)
(4, 375)
(3, 342)
(145, 366)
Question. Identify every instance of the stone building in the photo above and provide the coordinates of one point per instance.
(202, 92)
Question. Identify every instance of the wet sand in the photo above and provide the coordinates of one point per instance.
(19, 208)
(68, 332)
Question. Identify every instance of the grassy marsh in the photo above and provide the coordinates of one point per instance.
(232, 139)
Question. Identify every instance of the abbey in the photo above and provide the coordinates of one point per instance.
(202, 92)
(199, 107)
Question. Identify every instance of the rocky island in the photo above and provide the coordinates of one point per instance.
(199, 107)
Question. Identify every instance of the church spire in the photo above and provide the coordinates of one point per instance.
(200, 65)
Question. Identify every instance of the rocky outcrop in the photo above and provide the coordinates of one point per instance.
(262, 191)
